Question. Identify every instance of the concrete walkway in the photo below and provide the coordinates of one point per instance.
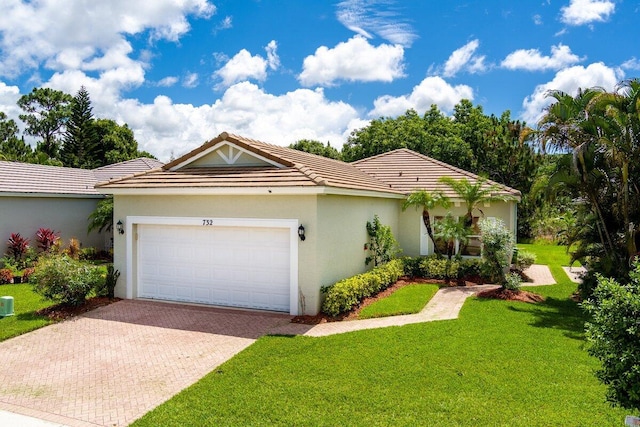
(445, 305)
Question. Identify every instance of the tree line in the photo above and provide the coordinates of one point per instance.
(66, 132)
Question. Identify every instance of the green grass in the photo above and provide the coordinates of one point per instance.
(500, 364)
(25, 304)
(406, 300)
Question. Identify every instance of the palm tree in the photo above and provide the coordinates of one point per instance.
(102, 218)
(427, 201)
(474, 193)
(617, 115)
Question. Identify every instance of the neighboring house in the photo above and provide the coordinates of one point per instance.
(34, 196)
(241, 223)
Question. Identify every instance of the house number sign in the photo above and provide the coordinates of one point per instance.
(207, 222)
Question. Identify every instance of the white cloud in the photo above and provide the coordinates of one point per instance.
(353, 60)
(86, 37)
(465, 58)
(432, 90)
(581, 12)
(367, 17)
(9, 95)
(569, 81)
(537, 19)
(245, 109)
(168, 81)
(190, 80)
(225, 24)
(244, 66)
(272, 57)
(533, 60)
(631, 64)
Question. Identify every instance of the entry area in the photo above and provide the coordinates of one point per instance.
(245, 266)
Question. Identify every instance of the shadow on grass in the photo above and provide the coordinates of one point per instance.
(556, 313)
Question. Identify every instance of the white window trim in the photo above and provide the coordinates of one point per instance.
(290, 224)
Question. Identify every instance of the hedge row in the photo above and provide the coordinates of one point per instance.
(347, 293)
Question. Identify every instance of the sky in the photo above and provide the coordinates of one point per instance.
(180, 72)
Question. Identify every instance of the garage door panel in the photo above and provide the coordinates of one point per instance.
(234, 266)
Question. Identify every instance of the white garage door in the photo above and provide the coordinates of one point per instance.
(231, 266)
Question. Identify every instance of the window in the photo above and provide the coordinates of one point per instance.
(472, 248)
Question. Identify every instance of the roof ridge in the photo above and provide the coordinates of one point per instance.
(382, 154)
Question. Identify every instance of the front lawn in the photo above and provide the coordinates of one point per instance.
(25, 304)
(409, 299)
(500, 363)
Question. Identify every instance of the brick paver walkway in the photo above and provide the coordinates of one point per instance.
(116, 363)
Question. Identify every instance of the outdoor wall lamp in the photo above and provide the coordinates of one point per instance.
(120, 227)
(301, 233)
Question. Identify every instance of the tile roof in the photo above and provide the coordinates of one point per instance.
(129, 167)
(406, 171)
(298, 169)
(27, 178)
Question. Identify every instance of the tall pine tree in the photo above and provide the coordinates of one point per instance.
(81, 137)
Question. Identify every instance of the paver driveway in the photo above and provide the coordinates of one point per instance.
(114, 364)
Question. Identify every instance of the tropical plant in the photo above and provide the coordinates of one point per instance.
(475, 193)
(383, 247)
(427, 201)
(18, 246)
(102, 218)
(107, 288)
(451, 230)
(46, 238)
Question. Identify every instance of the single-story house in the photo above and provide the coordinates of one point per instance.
(241, 223)
(39, 196)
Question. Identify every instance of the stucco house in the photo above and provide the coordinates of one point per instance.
(241, 223)
(34, 196)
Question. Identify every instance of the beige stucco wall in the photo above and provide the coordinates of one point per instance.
(68, 216)
(342, 221)
(335, 229)
(303, 208)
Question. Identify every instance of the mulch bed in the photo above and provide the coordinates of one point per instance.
(61, 312)
(508, 295)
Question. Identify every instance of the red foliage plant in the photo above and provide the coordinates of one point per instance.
(17, 246)
(6, 276)
(46, 238)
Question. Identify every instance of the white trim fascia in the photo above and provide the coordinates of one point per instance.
(217, 146)
(54, 195)
(248, 191)
(290, 224)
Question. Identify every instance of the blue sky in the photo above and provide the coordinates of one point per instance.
(179, 72)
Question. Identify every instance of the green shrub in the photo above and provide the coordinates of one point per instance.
(612, 335)
(383, 247)
(63, 279)
(108, 286)
(89, 253)
(524, 260)
(470, 268)
(512, 282)
(498, 244)
(436, 267)
(411, 266)
(342, 296)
